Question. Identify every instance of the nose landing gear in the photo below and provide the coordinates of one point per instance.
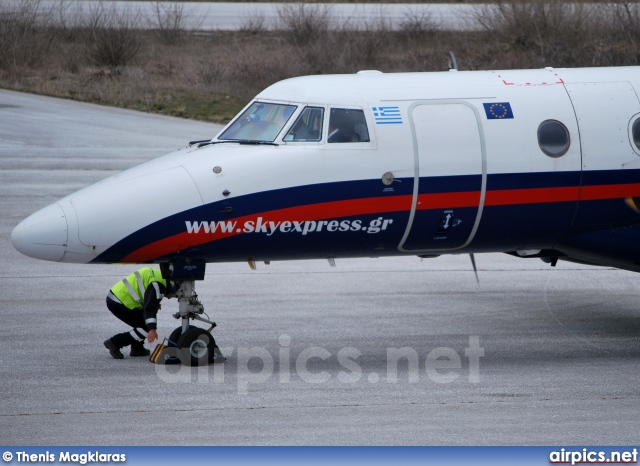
(196, 346)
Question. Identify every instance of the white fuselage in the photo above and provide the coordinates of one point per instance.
(428, 164)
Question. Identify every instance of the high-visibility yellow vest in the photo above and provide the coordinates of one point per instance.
(130, 291)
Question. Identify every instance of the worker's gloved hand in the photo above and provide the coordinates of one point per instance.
(153, 336)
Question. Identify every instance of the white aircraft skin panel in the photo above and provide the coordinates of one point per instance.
(636, 87)
(604, 111)
(288, 166)
(75, 251)
(416, 190)
(306, 167)
(448, 139)
(544, 77)
(407, 96)
(110, 212)
(513, 144)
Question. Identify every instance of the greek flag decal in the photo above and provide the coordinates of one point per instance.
(387, 115)
(498, 111)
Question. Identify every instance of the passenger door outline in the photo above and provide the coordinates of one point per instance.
(416, 187)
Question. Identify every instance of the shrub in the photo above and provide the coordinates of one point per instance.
(26, 34)
(114, 38)
(418, 25)
(305, 23)
(627, 17)
(255, 24)
(553, 31)
(171, 20)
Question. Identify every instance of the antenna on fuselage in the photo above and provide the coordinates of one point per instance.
(475, 269)
(453, 64)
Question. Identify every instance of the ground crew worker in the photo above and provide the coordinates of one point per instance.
(135, 301)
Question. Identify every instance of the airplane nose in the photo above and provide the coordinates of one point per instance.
(42, 235)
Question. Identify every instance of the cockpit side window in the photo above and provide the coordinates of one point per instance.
(308, 126)
(261, 122)
(347, 125)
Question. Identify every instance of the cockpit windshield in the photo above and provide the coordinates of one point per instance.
(261, 122)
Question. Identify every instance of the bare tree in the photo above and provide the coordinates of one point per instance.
(627, 16)
(304, 23)
(551, 30)
(26, 34)
(113, 35)
(418, 25)
(169, 19)
(254, 24)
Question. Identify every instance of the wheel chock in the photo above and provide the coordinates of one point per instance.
(167, 352)
(164, 353)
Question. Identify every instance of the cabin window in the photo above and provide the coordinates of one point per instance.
(308, 126)
(553, 138)
(347, 125)
(261, 122)
(635, 133)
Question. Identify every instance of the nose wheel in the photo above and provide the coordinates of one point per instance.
(196, 347)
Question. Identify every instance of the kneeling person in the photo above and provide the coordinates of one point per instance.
(136, 301)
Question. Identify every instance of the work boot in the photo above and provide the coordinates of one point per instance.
(138, 349)
(114, 350)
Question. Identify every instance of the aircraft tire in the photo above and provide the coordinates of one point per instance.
(175, 335)
(196, 346)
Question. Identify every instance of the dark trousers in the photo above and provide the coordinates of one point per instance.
(133, 318)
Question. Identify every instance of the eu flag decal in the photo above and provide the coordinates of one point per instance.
(498, 110)
(387, 115)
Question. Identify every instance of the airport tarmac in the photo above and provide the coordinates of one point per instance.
(532, 355)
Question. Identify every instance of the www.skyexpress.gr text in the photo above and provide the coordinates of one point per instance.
(269, 227)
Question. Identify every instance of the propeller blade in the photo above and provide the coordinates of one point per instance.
(475, 270)
(633, 202)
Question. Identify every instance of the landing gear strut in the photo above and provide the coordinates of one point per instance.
(196, 346)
